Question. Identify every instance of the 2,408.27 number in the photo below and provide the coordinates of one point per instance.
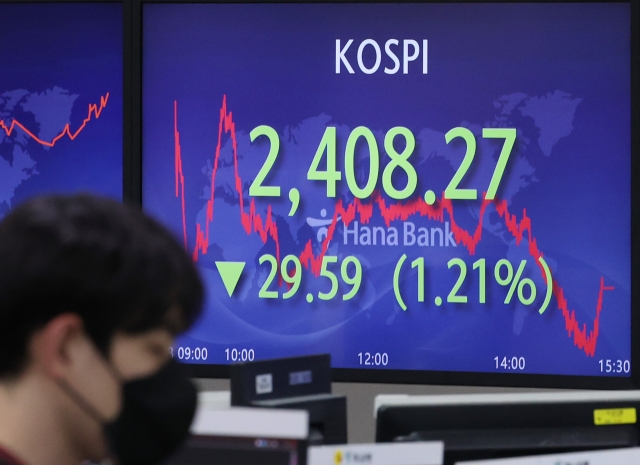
(328, 145)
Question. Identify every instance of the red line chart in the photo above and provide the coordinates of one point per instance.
(94, 112)
(253, 222)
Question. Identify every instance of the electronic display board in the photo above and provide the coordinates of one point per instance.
(61, 100)
(412, 188)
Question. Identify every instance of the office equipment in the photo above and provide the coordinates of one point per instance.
(608, 457)
(245, 436)
(294, 383)
(504, 425)
(422, 453)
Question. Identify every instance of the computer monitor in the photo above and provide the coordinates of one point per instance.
(61, 99)
(430, 192)
(245, 436)
(484, 426)
(294, 383)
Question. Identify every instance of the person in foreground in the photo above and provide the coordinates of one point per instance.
(92, 294)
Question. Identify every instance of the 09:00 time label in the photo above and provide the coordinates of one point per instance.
(187, 353)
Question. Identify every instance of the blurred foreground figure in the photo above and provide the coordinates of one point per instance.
(92, 294)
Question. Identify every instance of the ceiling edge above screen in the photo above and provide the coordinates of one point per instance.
(341, 105)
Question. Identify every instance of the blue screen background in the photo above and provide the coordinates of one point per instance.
(558, 73)
(57, 59)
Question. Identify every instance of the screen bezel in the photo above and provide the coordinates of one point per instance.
(364, 375)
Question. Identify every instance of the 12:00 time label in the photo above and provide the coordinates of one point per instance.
(375, 359)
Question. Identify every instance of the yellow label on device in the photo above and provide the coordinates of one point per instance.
(614, 416)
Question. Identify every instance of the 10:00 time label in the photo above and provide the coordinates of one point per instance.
(240, 355)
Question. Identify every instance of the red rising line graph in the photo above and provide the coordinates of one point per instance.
(94, 111)
(266, 228)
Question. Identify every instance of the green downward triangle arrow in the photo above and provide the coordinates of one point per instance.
(230, 273)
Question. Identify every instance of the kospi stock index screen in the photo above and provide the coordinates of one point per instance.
(61, 104)
(413, 187)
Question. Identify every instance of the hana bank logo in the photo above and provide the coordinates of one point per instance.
(321, 231)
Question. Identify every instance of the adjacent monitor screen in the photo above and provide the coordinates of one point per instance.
(61, 104)
(421, 190)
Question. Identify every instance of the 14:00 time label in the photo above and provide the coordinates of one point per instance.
(510, 363)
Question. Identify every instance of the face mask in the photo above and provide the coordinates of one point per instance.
(155, 417)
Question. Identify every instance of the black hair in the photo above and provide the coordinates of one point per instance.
(107, 262)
